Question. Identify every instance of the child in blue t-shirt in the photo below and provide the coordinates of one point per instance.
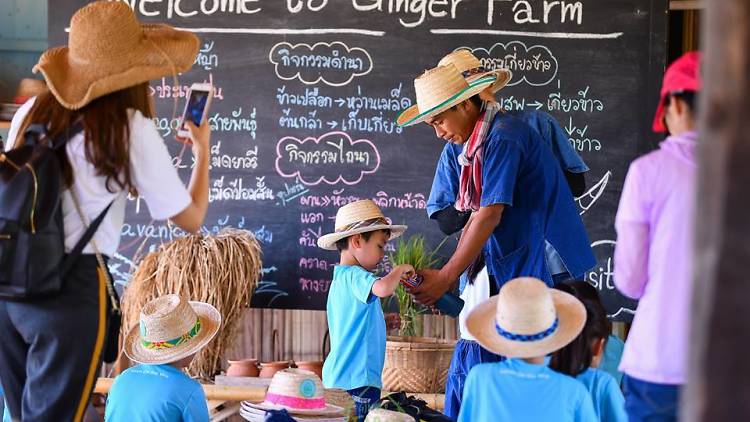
(171, 331)
(355, 318)
(583, 355)
(526, 321)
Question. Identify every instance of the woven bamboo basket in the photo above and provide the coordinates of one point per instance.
(417, 364)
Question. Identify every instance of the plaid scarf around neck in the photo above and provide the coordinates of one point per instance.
(471, 158)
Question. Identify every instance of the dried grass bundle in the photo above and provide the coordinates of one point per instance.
(221, 269)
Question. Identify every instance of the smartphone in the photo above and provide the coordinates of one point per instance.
(196, 108)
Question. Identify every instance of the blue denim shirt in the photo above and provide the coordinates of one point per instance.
(521, 172)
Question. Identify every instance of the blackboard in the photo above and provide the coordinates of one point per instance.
(308, 91)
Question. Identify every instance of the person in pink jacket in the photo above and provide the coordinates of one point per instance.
(653, 254)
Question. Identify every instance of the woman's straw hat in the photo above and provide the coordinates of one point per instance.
(382, 415)
(527, 319)
(439, 89)
(298, 391)
(109, 50)
(171, 329)
(358, 217)
(471, 68)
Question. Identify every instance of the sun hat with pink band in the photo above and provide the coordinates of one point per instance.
(298, 391)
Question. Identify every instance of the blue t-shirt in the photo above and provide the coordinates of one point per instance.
(155, 393)
(445, 184)
(513, 390)
(609, 403)
(357, 331)
(612, 356)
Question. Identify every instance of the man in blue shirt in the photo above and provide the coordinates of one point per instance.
(523, 198)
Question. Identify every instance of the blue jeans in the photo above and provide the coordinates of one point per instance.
(466, 355)
(364, 398)
(650, 402)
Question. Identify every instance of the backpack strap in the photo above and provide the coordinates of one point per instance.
(78, 248)
(37, 132)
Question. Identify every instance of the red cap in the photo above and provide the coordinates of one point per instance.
(682, 75)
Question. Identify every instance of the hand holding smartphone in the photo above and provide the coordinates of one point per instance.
(196, 108)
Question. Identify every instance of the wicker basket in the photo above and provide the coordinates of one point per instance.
(417, 364)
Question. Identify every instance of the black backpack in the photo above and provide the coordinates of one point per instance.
(33, 263)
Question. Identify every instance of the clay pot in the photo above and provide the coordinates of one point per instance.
(243, 368)
(268, 369)
(313, 366)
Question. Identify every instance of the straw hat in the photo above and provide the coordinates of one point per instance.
(527, 319)
(471, 68)
(439, 89)
(382, 415)
(298, 391)
(358, 217)
(109, 50)
(171, 329)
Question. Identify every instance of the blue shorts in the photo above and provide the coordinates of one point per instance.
(466, 355)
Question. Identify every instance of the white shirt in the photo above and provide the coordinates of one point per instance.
(473, 294)
(152, 173)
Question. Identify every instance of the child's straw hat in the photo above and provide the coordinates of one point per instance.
(439, 89)
(298, 391)
(382, 415)
(358, 217)
(171, 328)
(471, 69)
(527, 319)
(109, 50)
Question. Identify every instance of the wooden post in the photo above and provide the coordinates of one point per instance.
(719, 384)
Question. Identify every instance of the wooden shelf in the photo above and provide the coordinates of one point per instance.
(4, 125)
(686, 5)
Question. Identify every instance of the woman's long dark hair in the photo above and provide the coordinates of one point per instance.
(576, 357)
(106, 131)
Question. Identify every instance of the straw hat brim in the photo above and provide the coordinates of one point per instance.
(162, 51)
(328, 241)
(503, 77)
(329, 410)
(210, 323)
(570, 312)
(412, 115)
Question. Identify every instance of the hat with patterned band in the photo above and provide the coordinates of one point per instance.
(471, 69)
(358, 217)
(439, 89)
(526, 319)
(171, 328)
(298, 391)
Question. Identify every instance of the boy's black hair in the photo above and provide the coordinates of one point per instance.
(689, 97)
(343, 244)
(576, 357)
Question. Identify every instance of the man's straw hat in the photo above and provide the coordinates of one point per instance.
(171, 328)
(527, 319)
(439, 89)
(471, 69)
(298, 391)
(109, 50)
(382, 415)
(358, 217)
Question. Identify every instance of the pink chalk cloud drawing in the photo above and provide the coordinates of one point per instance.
(334, 64)
(332, 158)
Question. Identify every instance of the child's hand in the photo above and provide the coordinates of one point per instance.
(405, 271)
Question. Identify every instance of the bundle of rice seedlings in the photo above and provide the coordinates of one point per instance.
(222, 269)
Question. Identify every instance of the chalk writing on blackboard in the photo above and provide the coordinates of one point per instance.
(334, 64)
(313, 160)
(535, 65)
(589, 198)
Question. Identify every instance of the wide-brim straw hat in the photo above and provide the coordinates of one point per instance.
(171, 329)
(471, 69)
(527, 319)
(383, 415)
(298, 391)
(109, 50)
(358, 217)
(439, 89)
